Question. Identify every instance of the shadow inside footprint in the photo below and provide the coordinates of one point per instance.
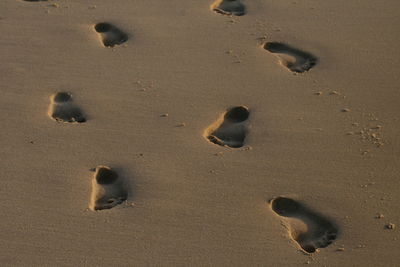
(230, 130)
(35, 0)
(108, 190)
(309, 229)
(292, 58)
(110, 35)
(62, 109)
(229, 7)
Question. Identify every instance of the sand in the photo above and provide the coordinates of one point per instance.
(325, 139)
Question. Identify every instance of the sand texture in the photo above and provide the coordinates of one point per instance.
(199, 133)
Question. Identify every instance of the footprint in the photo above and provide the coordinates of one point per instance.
(62, 108)
(230, 129)
(309, 229)
(229, 7)
(108, 190)
(110, 35)
(294, 59)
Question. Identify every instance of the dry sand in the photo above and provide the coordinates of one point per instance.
(328, 138)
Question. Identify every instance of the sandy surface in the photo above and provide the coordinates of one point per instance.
(327, 138)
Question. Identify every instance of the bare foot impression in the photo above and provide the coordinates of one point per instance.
(62, 109)
(229, 7)
(309, 229)
(110, 35)
(108, 190)
(230, 129)
(292, 58)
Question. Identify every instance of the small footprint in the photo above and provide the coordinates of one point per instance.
(230, 129)
(229, 7)
(62, 108)
(292, 58)
(108, 190)
(110, 35)
(309, 229)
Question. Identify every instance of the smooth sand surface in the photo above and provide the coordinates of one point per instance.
(327, 138)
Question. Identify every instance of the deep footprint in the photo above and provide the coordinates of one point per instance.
(62, 109)
(229, 7)
(108, 190)
(110, 35)
(231, 129)
(309, 229)
(292, 58)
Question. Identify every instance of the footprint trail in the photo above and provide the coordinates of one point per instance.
(110, 35)
(231, 129)
(108, 190)
(229, 7)
(62, 109)
(309, 229)
(292, 58)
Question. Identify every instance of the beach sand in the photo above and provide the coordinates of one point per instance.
(325, 141)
